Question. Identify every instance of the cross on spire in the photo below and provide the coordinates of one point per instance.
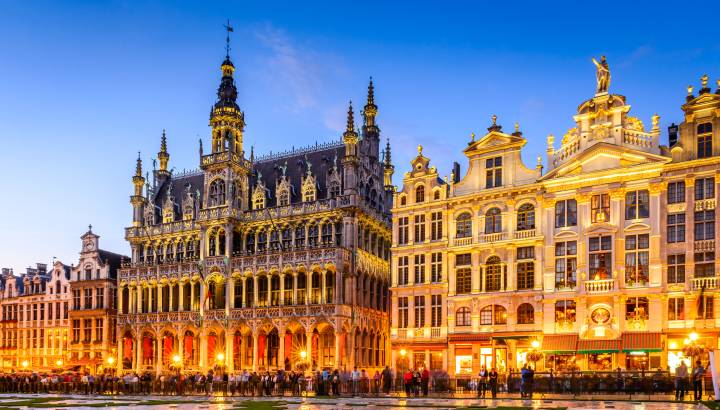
(229, 30)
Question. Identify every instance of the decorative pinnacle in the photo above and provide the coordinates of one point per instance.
(350, 119)
(517, 127)
(420, 148)
(371, 93)
(163, 142)
(689, 89)
(388, 161)
(704, 80)
(138, 166)
(472, 137)
(229, 30)
(494, 120)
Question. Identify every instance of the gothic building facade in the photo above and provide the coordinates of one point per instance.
(279, 261)
(607, 259)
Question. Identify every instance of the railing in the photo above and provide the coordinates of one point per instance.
(707, 283)
(639, 138)
(245, 313)
(707, 245)
(462, 241)
(419, 332)
(492, 237)
(435, 332)
(402, 333)
(528, 233)
(599, 286)
(565, 152)
(705, 204)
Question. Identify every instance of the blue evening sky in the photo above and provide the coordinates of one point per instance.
(85, 85)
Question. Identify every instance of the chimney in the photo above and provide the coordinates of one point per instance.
(672, 134)
(456, 173)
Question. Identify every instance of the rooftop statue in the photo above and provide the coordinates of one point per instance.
(602, 74)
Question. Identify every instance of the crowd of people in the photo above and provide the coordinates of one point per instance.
(683, 378)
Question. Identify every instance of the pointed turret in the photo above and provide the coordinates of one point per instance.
(388, 168)
(371, 132)
(163, 155)
(137, 200)
(350, 162)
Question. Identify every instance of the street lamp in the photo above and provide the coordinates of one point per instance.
(25, 364)
(403, 352)
(59, 362)
(303, 354)
(535, 344)
(110, 360)
(534, 355)
(220, 357)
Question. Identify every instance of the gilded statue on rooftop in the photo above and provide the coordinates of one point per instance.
(602, 74)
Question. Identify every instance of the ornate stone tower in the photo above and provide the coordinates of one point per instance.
(350, 162)
(137, 200)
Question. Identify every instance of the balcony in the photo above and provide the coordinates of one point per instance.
(707, 283)
(528, 233)
(492, 237)
(435, 332)
(707, 245)
(705, 204)
(599, 285)
(402, 333)
(462, 241)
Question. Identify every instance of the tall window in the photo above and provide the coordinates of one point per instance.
(704, 140)
(637, 204)
(76, 330)
(436, 226)
(704, 188)
(637, 259)
(676, 309)
(600, 208)
(493, 221)
(334, 189)
(676, 228)
(676, 192)
(525, 314)
(419, 228)
(636, 308)
(99, 330)
(493, 172)
(704, 264)
(403, 270)
(420, 268)
(600, 257)
(76, 299)
(493, 274)
(420, 194)
(704, 225)
(436, 310)
(419, 311)
(88, 298)
(463, 280)
(565, 264)
(526, 217)
(87, 330)
(463, 226)
(284, 197)
(493, 315)
(462, 316)
(565, 311)
(403, 312)
(565, 213)
(216, 192)
(403, 230)
(436, 267)
(676, 268)
(525, 267)
(705, 307)
(99, 298)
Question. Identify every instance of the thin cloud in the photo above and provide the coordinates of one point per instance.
(638, 54)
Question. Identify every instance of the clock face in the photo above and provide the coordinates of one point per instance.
(89, 246)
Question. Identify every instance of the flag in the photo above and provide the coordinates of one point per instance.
(700, 308)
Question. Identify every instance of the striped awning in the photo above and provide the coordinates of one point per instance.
(559, 343)
(642, 342)
(598, 346)
(469, 337)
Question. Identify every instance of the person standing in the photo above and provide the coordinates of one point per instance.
(355, 377)
(493, 377)
(681, 375)
(482, 382)
(425, 380)
(407, 380)
(697, 379)
(387, 380)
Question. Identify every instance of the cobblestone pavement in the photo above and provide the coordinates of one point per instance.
(23, 401)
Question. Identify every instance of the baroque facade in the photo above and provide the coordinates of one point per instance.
(607, 259)
(34, 321)
(93, 309)
(270, 262)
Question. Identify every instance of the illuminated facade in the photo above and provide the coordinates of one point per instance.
(93, 307)
(34, 325)
(259, 263)
(605, 260)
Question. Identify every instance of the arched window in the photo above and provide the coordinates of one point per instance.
(420, 194)
(284, 198)
(403, 200)
(704, 140)
(462, 317)
(258, 200)
(463, 226)
(493, 315)
(493, 274)
(525, 314)
(493, 221)
(526, 217)
(216, 195)
(436, 194)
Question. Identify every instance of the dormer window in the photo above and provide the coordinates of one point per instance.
(493, 172)
(420, 194)
(704, 140)
(308, 194)
(259, 198)
(284, 198)
(334, 189)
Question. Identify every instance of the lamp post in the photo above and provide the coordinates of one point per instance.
(534, 355)
(693, 348)
(219, 359)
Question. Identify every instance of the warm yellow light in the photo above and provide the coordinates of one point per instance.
(25, 363)
(110, 360)
(402, 352)
(220, 357)
(59, 362)
(686, 341)
(673, 345)
(303, 354)
(693, 337)
(176, 359)
(535, 344)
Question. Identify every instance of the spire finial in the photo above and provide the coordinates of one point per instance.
(472, 137)
(517, 127)
(350, 119)
(388, 161)
(494, 119)
(371, 92)
(704, 80)
(229, 30)
(689, 89)
(420, 148)
(163, 142)
(90, 228)
(138, 166)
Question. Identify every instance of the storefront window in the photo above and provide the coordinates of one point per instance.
(419, 359)
(436, 361)
(561, 362)
(463, 360)
(600, 361)
(637, 361)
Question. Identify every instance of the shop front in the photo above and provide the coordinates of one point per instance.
(560, 352)
(415, 356)
(643, 350)
(599, 354)
(678, 348)
(469, 353)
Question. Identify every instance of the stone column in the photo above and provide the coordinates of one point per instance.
(255, 293)
(159, 298)
(255, 351)
(338, 337)
(229, 294)
(244, 291)
(308, 286)
(281, 348)
(229, 360)
(282, 289)
(323, 292)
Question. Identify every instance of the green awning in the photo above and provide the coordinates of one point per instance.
(642, 342)
(560, 344)
(598, 346)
